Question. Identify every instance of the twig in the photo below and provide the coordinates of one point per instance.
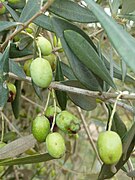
(16, 173)
(95, 94)
(47, 102)
(88, 133)
(40, 12)
(10, 124)
(32, 102)
(130, 165)
(113, 112)
(70, 170)
(25, 58)
(54, 115)
(123, 105)
(2, 127)
(104, 96)
(96, 33)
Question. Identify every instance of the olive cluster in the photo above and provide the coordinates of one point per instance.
(41, 129)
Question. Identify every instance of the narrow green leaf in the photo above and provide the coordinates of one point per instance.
(128, 6)
(27, 160)
(82, 73)
(3, 95)
(38, 91)
(67, 71)
(4, 69)
(16, 69)
(18, 5)
(87, 55)
(17, 147)
(16, 102)
(124, 70)
(123, 42)
(24, 42)
(127, 140)
(61, 96)
(30, 9)
(15, 52)
(4, 64)
(72, 11)
(12, 12)
(131, 174)
(117, 72)
(84, 102)
(44, 22)
(130, 16)
(115, 4)
(5, 25)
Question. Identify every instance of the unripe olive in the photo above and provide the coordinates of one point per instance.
(40, 128)
(67, 122)
(29, 30)
(41, 72)
(26, 67)
(17, 38)
(49, 113)
(44, 45)
(57, 43)
(109, 147)
(51, 110)
(14, 1)
(55, 145)
(12, 92)
(51, 58)
(2, 8)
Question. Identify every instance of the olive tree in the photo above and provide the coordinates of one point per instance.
(60, 63)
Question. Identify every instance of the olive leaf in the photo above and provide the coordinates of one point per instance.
(17, 147)
(61, 96)
(87, 55)
(27, 160)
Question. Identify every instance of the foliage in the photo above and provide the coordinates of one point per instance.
(93, 77)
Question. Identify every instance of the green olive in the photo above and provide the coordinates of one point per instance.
(14, 1)
(51, 110)
(29, 30)
(40, 128)
(49, 113)
(12, 91)
(44, 45)
(67, 122)
(2, 8)
(55, 145)
(51, 58)
(26, 67)
(109, 147)
(41, 72)
(57, 43)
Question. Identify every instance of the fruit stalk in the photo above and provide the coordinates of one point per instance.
(2, 133)
(47, 102)
(88, 134)
(113, 112)
(54, 116)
